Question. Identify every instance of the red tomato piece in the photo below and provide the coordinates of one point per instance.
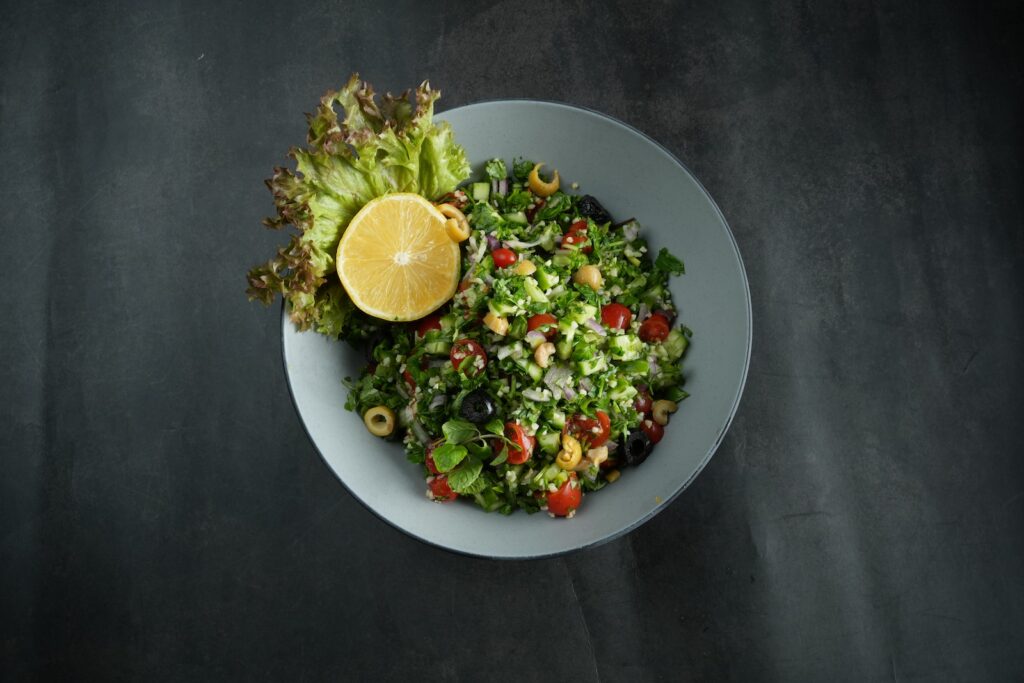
(424, 325)
(545, 322)
(653, 430)
(654, 329)
(463, 349)
(428, 459)
(567, 498)
(589, 431)
(577, 234)
(521, 448)
(440, 491)
(643, 401)
(503, 258)
(616, 316)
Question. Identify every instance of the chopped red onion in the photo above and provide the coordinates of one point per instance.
(438, 401)
(535, 336)
(631, 230)
(420, 432)
(503, 187)
(494, 187)
(643, 312)
(596, 327)
(493, 242)
(586, 385)
(568, 393)
(612, 446)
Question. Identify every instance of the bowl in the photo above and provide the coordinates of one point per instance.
(631, 175)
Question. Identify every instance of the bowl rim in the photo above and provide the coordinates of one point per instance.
(734, 408)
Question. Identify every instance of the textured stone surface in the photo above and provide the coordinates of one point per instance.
(162, 514)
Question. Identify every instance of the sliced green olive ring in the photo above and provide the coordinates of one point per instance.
(380, 420)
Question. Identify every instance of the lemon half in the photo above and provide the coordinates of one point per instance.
(396, 260)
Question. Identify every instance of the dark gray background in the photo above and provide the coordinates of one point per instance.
(162, 514)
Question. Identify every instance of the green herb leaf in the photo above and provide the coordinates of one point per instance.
(521, 169)
(479, 448)
(462, 478)
(448, 455)
(495, 426)
(502, 457)
(495, 169)
(667, 263)
(458, 431)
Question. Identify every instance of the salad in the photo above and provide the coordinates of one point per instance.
(556, 364)
(553, 366)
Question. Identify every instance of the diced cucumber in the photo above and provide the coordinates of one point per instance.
(501, 306)
(534, 291)
(550, 442)
(437, 348)
(675, 344)
(625, 346)
(517, 330)
(536, 372)
(481, 191)
(556, 417)
(560, 260)
(546, 278)
(592, 365)
(517, 217)
(622, 390)
(563, 347)
(580, 313)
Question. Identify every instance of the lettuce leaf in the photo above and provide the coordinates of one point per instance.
(378, 147)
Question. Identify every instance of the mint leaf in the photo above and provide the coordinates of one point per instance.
(461, 478)
(458, 431)
(479, 448)
(495, 426)
(448, 455)
(667, 263)
(502, 457)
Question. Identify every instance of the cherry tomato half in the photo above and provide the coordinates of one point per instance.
(545, 322)
(589, 431)
(565, 499)
(654, 329)
(643, 401)
(431, 322)
(439, 489)
(653, 430)
(521, 448)
(616, 316)
(463, 349)
(428, 459)
(503, 258)
(577, 234)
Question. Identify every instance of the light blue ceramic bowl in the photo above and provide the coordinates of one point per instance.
(631, 175)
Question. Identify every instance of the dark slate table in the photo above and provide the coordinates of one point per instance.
(163, 516)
